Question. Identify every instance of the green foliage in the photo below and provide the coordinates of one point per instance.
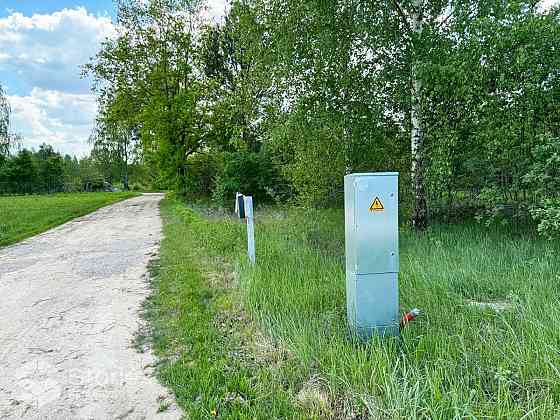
(541, 192)
(200, 174)
(548, 217)
(18, 173)
(5, 137)
(50, 169)
(247, 173)
(544, 175)
(113, 148)
(314, 90)
(147, 83)
(544, 181)
(46, 171)
(201, 333)
(316, 164)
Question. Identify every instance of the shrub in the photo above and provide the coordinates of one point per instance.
(548, 218)
(246, 172)
(544, 180)
(200, 175)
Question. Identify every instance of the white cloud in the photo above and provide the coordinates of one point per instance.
(43, 54)
(61, 119)
(47, 51)
(42, 57)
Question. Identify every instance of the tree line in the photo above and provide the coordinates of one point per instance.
(282, 98)
(45, 171)
(28, 171)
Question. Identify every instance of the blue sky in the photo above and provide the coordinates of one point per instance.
(29, 7)
(43, 44)
(100, 8)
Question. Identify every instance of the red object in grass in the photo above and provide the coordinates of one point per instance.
(409, 316)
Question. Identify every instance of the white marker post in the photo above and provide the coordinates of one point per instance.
(238, 211)
(248, 202)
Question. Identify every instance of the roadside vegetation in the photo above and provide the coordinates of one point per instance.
(282, 98)
(45, 171)
(112, 164)
(279, 100)
(270, 341)
(25, 216)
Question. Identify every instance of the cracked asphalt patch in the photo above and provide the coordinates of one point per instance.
(69, 308)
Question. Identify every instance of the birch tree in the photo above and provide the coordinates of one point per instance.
(4, 124)
(420, 214)
(113, 146)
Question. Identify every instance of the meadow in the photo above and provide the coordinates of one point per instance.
(270, 341)
(27, 215)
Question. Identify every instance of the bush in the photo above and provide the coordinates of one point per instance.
(200, 175)
(94, 184)
(544, 175)
(548, 218)
(544, 180)
(456, 211)
(248, 173)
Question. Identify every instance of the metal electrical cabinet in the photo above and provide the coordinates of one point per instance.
(372, 253)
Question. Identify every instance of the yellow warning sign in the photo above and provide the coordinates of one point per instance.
(377, 205)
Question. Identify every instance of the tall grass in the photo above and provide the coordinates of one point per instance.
(459, 359)
(199, 329)
(487, 346)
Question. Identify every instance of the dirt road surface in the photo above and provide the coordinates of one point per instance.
(69, 309)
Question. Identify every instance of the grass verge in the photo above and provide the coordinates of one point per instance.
(25, 216)
(270, 341)
(211, 354)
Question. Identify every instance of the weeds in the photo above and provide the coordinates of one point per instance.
(270, 341)
(201, 331)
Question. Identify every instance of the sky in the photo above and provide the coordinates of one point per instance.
(43, 43)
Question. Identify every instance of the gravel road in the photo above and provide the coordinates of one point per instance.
(69, 309)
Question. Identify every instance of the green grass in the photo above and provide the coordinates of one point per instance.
(201, 331)
(270, 341)
(25, 216)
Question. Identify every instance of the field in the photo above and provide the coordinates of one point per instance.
(25, 216)
(270, 341)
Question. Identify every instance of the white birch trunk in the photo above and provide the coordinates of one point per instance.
(419, 217)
